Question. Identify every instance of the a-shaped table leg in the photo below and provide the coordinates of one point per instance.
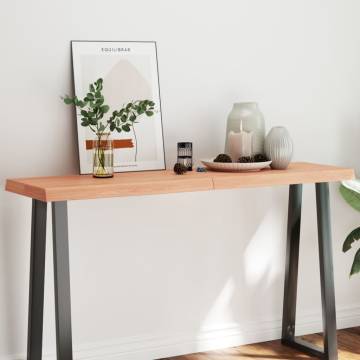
(326, 274)
(62, 281)
(36, 285)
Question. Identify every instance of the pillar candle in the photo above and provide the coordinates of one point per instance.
(240, 144)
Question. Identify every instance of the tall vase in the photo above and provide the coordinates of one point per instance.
(103, 158)
(252, 121)
(279, 147)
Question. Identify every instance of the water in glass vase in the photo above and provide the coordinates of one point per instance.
(103, 158)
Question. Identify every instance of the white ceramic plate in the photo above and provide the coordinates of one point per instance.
(235, 166)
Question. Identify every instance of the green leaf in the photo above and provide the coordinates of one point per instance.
(68, 101)
(104, 109)
(84, 113)
(112, 126)
(91, 88)
(351, 197)
(123, 118)
(351, 238)
(98, 94)
(149, 113)
(118, 129)
(132, 118)
(126, 127)
(99, 102)
(355, 268)
(101, 127)
(90, 96)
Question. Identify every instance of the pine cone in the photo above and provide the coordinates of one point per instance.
(223, 158)
(260, 158)
(246, 159)
(179, 169)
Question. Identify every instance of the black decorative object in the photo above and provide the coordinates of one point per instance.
(246, 159)
(223, 158)
(184, 157)
(180, 169)
(260, 158)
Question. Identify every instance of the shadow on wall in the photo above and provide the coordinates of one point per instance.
(250, 289)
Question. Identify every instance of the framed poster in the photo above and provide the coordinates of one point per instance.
(130, 72)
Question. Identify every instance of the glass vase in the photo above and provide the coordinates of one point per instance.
(103, 157)
(249, 114)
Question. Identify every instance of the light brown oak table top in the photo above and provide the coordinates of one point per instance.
(81, 187)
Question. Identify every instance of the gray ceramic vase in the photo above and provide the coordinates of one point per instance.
(279, 147)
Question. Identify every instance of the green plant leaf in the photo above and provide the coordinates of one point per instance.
(104, 109)
(355, 268)
(350, 196)
(91, 88)
(84, 113)
(149, 113)
(126, 127)
(351, 238)
(99, 102)
(68, 101)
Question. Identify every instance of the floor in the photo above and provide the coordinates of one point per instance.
(348, 341)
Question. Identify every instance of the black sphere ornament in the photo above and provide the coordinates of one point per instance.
(180, 169)
(223, 158)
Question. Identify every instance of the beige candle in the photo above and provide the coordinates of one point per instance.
(240, 144)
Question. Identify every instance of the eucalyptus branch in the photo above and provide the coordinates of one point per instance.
(93, 108)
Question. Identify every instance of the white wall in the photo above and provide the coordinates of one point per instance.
(170, 274)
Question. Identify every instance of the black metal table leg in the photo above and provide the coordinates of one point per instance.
(326, 274)
(37, 275)
(62, 281)
(326, 271)
(292, 260)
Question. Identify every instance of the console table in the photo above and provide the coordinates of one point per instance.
(58, 190)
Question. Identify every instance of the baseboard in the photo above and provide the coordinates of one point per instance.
(160, 346)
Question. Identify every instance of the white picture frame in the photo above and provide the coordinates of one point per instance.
(129, 70)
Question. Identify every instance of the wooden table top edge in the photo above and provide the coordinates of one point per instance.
(152, 183)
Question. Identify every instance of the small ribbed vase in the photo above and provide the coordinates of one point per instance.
(279, 147)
